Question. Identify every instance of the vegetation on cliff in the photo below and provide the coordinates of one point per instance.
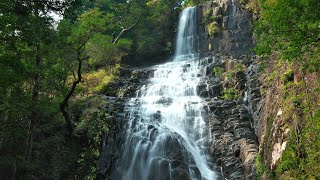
(288, 33)
(291, 29)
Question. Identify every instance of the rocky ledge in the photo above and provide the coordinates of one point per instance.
(234, 144)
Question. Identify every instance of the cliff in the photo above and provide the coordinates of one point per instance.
(256, 117)
(233, 144)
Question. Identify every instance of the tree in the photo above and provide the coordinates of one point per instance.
(26, 34)
(84, 42)
(80, 33)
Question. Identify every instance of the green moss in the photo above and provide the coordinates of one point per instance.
(211, 22)
(207, 16)
(263, 91)
(229, 75)
(218, 71)
(239, 67)
(251, 5)
(298, 102)
(301, 158)
(289, 159)
(259, 166)
(230, 78)
(262, 67)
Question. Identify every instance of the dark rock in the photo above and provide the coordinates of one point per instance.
(235, 29)
(157, 116)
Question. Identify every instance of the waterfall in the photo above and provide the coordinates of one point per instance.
(166, 135)
(187, 42)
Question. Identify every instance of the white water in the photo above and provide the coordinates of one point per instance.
(187, 42)
(166, 135)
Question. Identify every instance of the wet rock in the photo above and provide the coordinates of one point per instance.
(160, 168)
(157, 116)
(165, 100)
(142, 73)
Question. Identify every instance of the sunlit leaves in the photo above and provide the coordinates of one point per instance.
(290, 28)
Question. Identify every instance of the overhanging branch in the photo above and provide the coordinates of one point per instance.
(125, 30)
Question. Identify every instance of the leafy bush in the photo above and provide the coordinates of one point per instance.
(290, 28)
(94, 122)
(287, 77)
(230, 94)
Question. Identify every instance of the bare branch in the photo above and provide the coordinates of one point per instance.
(125, 30)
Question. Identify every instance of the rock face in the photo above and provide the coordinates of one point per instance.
(234, 144)
(254, 99)
(111, 143)
(226, 28)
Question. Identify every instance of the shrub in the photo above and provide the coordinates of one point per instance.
(230, 94)
(213, 28)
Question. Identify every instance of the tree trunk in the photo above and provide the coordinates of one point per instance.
(34, 103)
(3, 128)
(64, 103)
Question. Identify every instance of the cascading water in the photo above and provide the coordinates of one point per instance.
(166, 136)
(187, 41)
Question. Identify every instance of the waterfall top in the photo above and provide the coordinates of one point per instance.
(187, 41)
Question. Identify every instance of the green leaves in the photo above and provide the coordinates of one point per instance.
(290, 28)
(92, 21)
(102, 51)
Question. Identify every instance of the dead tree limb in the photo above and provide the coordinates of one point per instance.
(115, 40)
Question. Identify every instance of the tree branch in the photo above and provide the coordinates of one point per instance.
(78, 80)
(125, 30)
